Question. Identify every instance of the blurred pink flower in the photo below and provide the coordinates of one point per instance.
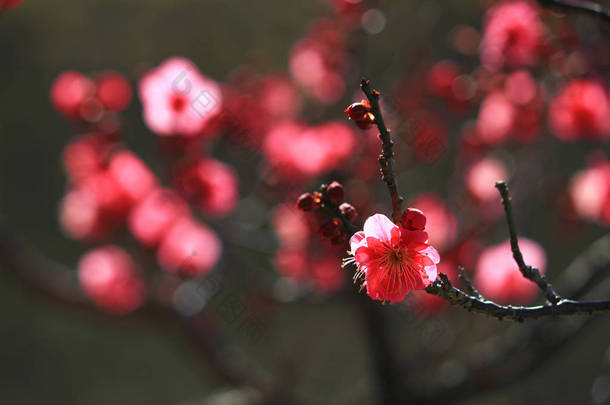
(177, 99)
(513, 35)
(580, 110)
(132, 175)
(152, 217)
(327, 146)
(210, 184)
(391, 259)
(189, 248)
(441, 223)
(481, 177)
(109, 277)
(496, 119)
(590, 193)
(498, 277)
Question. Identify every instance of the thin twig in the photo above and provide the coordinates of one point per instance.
(528, 272)
(470, 288)
(386, 158)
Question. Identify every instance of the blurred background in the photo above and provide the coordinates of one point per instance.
(314, 341)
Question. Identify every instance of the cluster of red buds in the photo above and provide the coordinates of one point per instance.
(361, 114)
(328, 203)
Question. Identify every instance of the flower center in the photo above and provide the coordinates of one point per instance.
(177, 102)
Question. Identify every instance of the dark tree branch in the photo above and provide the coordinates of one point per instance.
(529, 272)
(443, 288)
(386, 158)
(470, 288)
(588, 7)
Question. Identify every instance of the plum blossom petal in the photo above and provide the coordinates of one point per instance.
(379, 226)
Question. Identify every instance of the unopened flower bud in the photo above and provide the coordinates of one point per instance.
(348, 211)
(361, 114)
(335, 193)
(413, 220)
(305, 202)
(332, 229)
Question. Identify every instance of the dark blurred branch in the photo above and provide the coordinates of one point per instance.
(386, 158)
(529, 272)
(59, 283)
(588, 7)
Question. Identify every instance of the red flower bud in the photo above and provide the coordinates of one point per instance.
(333, 229)
(361, 114)
(413, 219)
(306, 202)
(348, 211)
(335, 193)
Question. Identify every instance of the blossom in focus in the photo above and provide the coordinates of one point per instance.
(109, 277)
(189, 248)
(301, 151)
(177, 99)
(392, 260)
(513, 35)
(498, 277)
(580, 110)
(211, 184)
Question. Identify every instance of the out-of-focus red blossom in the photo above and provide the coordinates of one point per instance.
(86, 155)
(69, 93)
(150, 220)
(392, 260)
(113, 91)
(319, 61)
(189, 248)
(590, 192)
(481, 177)
(177, 99)
(581, 110)
(513, 35)
(441, 224)
(211, 185)
(429, 141)
(300, 256)
(498, 277)
(109, 277)
(80, 217)
(79, 98)
(428, 305)
(107, 192)
(496, 119)
(361, 114)
(252, 104)
(445, 81)
(132, 175)
(326, 273)
(8, 4)
(327, 145)
(348, 8)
